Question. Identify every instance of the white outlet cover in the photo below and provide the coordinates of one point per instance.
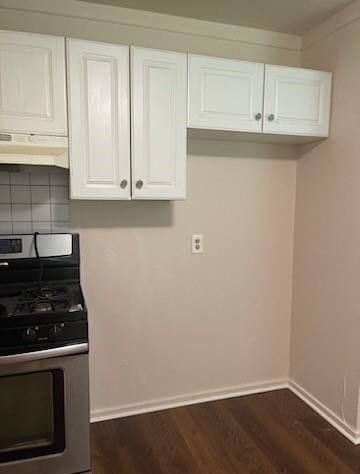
(197, 243)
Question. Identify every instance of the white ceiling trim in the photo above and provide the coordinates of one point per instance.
(348, 15)
(155, 21)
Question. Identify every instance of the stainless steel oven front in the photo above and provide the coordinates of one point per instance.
(44, 412)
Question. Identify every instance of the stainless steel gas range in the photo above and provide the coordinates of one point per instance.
(44, 374)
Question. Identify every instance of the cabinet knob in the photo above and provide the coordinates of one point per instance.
(123, 183)
(139, 184)
(258, 116)
(271, 117)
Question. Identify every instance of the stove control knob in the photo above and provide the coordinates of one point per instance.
(55, 332)
(29, 335)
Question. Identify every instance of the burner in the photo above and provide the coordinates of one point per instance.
(52, 292)
(52, 300)
(42, 307)
(47, 292)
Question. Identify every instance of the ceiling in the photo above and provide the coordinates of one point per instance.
(286, 16)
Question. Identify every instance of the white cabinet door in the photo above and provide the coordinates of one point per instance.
(32, 79)
(225, 94)
(99, 120)
(159, 98)
(297, 101)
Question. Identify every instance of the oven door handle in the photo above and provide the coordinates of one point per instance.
(69, 350)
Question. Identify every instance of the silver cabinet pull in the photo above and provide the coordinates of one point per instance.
(123, 183)
(139, 184)
(258, 116)
(271, 117)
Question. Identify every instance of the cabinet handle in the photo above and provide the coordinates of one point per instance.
(271, 117)
(123, 183)
(258, 116)
(139, 184)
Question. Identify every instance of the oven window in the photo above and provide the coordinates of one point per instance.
(31, 415)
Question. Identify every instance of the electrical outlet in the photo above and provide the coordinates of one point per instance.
(197, 243)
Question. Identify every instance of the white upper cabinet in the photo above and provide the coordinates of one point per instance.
(32, 79)
(159, 95)
(297, 101)
(225, 94)
(231, 95)
(99, 120)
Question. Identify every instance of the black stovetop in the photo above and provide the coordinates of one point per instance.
(41, 302)
(54, 301)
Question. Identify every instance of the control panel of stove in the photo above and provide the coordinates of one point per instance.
(43, 336)
(10, 246)
(23, 246)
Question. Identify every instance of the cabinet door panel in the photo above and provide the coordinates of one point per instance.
(297, 101)
(159, 81)
(32, 78)
(99, 120)
(225, 94)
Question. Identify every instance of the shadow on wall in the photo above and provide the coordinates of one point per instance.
(121, 214)
(142, 214)
(237, 149)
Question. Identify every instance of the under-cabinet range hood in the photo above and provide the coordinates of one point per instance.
(33, 112)
(31, 149)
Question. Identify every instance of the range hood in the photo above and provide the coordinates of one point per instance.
(30, 149)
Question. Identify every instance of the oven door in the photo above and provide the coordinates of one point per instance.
(44, 412)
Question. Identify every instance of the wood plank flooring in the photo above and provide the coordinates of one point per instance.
(272, 433)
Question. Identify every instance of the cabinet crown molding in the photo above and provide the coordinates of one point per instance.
(153, 21)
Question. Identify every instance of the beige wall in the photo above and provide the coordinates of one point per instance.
(165, 323)
(326, 302)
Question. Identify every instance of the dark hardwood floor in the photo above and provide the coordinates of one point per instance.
(257, 434)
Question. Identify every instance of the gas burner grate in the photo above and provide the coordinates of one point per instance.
(52, 299)
(37, 306)
(46, 292)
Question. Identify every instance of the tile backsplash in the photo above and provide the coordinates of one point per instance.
(34, 199)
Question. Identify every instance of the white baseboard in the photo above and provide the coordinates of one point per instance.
(191, 399)
(342, 426)
(165, 403)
